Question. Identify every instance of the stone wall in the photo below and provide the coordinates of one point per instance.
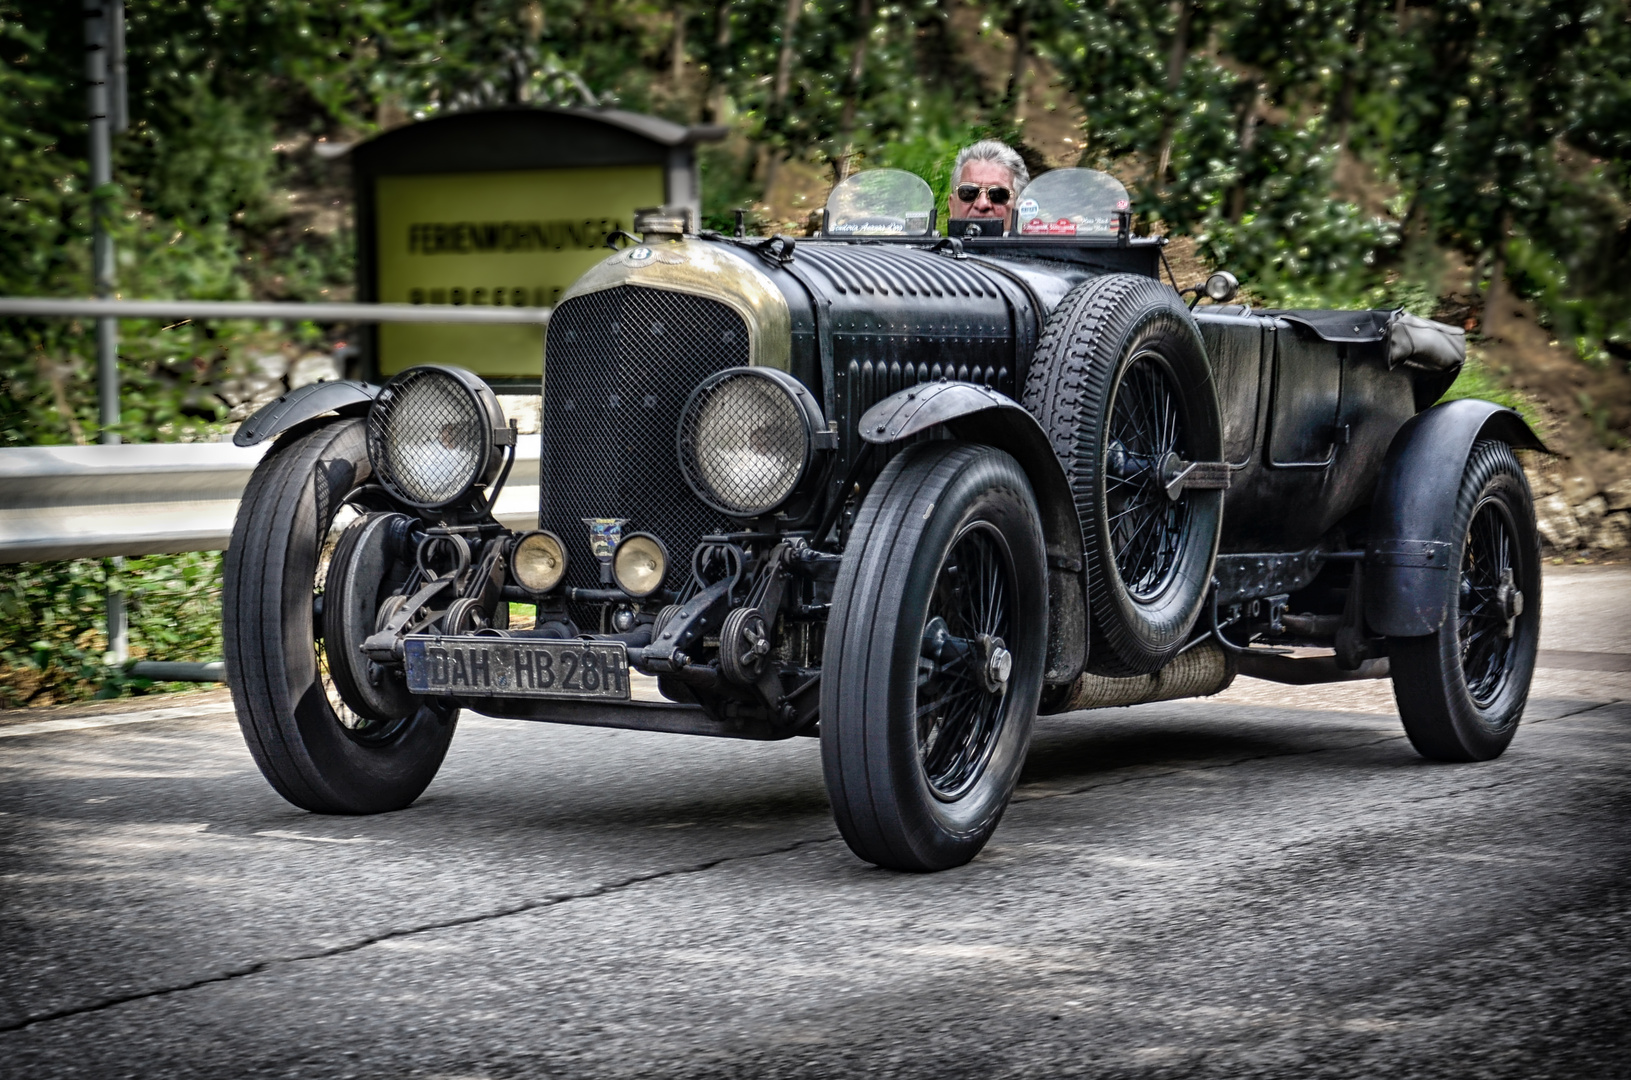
(1577, 516)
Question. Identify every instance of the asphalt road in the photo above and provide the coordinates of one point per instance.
(1268, 883)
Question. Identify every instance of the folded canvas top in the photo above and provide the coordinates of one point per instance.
(1423, 343)
(1411, 339)
(1342, 327)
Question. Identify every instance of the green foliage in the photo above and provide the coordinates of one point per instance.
(1501, 129)
(929, 154)
(53, 618)
(727, 186)
(1476, 381)
(1302, 248)
(1500, 125)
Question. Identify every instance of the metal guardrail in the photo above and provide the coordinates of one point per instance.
(112, 500)
(268, 309)
(72, 502)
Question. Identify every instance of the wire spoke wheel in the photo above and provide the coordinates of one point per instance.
(340, 586)
(1122, 385)
(1461, 690)
(1484, 624)
(351, 721)
(1147, 529)
(960, 704)
(934, 656)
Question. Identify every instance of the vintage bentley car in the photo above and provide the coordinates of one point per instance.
(898, 490)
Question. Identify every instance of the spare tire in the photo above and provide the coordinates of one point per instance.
(1121, 384)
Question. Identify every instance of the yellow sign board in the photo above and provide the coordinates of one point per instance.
(494, 238)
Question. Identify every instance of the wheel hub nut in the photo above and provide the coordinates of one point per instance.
(1510, 598)
(999, 662)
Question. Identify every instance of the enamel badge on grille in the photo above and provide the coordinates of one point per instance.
(604, 534)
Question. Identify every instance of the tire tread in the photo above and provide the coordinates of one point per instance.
(1067, 389)
(1439, 715)
(856, 694)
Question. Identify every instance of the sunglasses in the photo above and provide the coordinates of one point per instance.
(999, 196)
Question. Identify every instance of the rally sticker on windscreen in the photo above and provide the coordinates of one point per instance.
(1039, 227)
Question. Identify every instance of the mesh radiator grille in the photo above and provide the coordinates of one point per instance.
(619, 365)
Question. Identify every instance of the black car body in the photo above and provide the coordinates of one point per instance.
(903, 491)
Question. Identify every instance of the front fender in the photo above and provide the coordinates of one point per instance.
(979, 414)
(345, 397)
(1412, 523)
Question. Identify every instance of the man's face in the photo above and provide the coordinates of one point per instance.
(984, 175)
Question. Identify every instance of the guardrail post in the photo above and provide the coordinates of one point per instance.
(104, 30)
(118, 619)
(108, 110)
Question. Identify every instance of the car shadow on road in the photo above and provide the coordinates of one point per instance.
(511, 788)
(651, 809)
(1085, 746)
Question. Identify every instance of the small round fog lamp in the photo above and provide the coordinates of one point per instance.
(539, 561)
(639, 564)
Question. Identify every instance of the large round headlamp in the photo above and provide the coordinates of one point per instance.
(746, 439)
(434, 433)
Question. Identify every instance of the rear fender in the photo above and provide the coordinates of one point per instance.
(981, 415)
(1412, 523)
(344, 398)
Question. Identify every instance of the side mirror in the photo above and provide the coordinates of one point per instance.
(1221, 287)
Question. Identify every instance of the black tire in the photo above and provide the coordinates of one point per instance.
(310, 746)
(911, 799)
(1118, 347)
(1461, 692)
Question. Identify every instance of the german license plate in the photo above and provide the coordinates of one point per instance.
(517, 667)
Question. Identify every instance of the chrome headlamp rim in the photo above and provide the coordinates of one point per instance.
(488, 428)
(810, 418)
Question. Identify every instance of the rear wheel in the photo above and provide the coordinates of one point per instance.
(315, 750)
(1462, 690)
(1121, 384)
(934, 656)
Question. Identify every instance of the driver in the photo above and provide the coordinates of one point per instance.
(986, 180)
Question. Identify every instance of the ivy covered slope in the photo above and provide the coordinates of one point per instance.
(1327, 150)
(1462, 158)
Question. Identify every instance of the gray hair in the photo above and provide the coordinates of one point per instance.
(998, 152)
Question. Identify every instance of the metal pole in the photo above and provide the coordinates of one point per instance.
(118, 72)
(101, 35)
(280, 310)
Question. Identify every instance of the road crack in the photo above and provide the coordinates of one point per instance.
(1578, 712)
(523, 908)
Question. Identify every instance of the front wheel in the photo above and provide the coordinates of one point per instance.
(314, 749)
(934, 656)
(1461, 691)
